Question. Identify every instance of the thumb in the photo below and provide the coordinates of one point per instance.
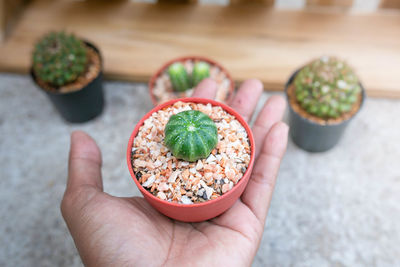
(207, 88)
(84, 167)
(84, 181)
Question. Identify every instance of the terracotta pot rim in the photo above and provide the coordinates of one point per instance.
(184, 58)
(231, 111)
(290, 81)
(87, 43)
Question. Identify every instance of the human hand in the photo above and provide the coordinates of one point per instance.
(114, 231)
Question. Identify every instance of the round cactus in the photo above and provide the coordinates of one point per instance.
(179, 77)
(191, 135)
(59, 58)
(327, 88)
(201, 70)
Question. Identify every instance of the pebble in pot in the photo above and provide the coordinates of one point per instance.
(323, 97)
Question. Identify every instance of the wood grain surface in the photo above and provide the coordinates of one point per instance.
(9, 13)
(337, 3)
(252, 2)
(250, 41)
(390, 4)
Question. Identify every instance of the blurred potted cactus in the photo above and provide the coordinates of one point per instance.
(178, 78)
(323, 96)
(69, 71)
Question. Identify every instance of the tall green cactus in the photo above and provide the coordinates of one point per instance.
(327, 87)
(179, 77)
(59, 58)
(201, 70)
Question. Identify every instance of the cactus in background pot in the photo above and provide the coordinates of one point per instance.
(59, 58)
(182, 81)
(201, 70)
(179, 77)
(191, 135)
(327, 88)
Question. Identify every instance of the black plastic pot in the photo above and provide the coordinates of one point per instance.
(82, 105)
(312, 136)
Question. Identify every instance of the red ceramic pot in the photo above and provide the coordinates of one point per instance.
(182, 59)
(199, 211)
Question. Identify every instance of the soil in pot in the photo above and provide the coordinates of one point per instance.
(163, 89)
(179, 181)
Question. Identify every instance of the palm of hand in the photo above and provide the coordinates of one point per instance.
(131, 231)
(111, 231)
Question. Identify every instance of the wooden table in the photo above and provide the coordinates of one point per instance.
(251, 41)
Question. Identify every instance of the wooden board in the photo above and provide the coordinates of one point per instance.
(252, 2)
(390, 4)
(250, 41)
(337, 3)
(9, 12)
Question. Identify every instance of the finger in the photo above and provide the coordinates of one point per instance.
(271, 113)
(84, 163)
(257, 195)
(247, 97)
(207, 88)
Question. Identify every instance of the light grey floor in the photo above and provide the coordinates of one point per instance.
(340, 208)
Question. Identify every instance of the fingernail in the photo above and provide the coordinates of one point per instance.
(208, 82)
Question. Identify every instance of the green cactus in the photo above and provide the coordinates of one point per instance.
(191, 135)
(201, 70)
(59, 58)
(179, 77)
(327, 87)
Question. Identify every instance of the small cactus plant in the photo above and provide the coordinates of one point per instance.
(201, 70)
(191, 135)
(179, 77)
(182, 81)
(59, 58)
(327, 88)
